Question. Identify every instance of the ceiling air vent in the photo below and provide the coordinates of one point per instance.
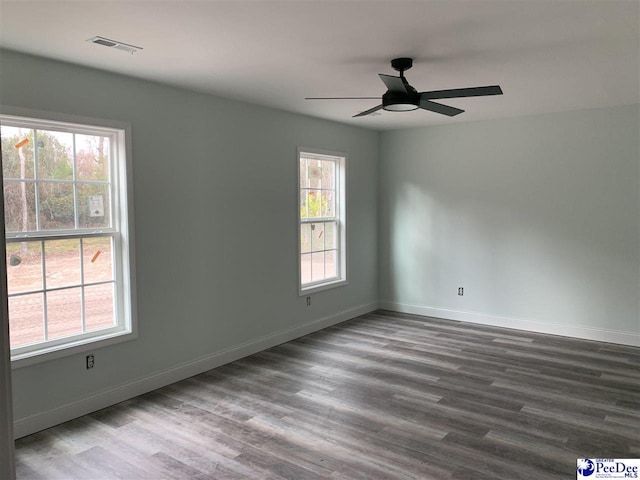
(106, 42)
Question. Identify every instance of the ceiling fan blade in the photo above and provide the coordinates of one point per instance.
(367, 112)
(394, 84)
(439, 108)
(463, 92)
(342, 98)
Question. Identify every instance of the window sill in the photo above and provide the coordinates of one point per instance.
(70, 348)
(320, 287)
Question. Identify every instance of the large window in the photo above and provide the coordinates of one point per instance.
(322, 220)
(67, 227)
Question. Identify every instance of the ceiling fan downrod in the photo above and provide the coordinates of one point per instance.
(402, 64)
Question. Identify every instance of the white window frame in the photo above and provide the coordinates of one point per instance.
(122, 233)
(341, 164)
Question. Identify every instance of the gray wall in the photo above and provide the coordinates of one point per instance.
(215, 222)
(536, 217)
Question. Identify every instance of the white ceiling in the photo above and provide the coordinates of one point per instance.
(547, 55)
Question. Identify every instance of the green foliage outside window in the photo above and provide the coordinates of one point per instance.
(313, 206)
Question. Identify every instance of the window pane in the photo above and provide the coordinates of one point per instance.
(62, 263)
(328, 175)
(54, 155)
(92, 157)
(17, 152)
(317, 237)
(93, 205)
(314, 173)
(305, 268)
(56, 206)
(19, 206)
(330, 268)
(98, 306)
(314, 203)
(305, 238)
(330, 235)
(26, 325)
(304, 176)
(317, 266)
(328, 204)
(64, 313)
(24, 267)
(304, 211)
(97, 262)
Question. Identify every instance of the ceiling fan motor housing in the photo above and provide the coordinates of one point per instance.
(402, 64)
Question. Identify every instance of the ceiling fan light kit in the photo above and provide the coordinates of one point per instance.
(402, 97)
(400, 102)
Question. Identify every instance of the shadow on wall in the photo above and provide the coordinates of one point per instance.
(414, 267)
(509, 263)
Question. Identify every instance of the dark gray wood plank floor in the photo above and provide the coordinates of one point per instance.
(385, 395)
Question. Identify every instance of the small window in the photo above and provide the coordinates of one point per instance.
(68, 235)
(322, 220)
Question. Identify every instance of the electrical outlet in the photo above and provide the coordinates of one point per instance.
(308, 301)
(90, 362)
(461, 291)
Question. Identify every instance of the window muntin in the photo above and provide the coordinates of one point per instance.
(322, 261)
(67, 233)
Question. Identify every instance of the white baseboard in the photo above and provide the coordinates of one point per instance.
(575, 331)
(40, 421)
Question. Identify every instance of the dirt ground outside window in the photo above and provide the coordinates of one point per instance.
(64, 306)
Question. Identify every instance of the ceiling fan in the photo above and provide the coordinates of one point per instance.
(402, 97)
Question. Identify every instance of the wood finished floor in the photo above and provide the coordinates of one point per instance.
(385, 395)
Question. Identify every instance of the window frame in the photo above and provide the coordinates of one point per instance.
(121, 232)
(341, 165)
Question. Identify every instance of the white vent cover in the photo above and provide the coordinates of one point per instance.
(106, 42)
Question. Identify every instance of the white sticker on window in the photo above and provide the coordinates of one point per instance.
(96, 206)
